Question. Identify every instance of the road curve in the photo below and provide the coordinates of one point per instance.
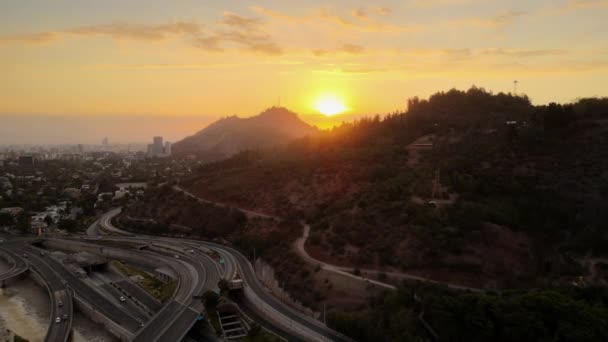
(300, 249)
(300, 324)
(61, 299)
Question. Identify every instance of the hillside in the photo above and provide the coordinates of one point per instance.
(473, 188)
(491, 203)
(231, 135)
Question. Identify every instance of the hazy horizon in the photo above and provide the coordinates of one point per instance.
(41, 129)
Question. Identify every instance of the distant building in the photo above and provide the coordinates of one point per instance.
(13, 211)
(105, 142)
(26, 160)
(157, 149)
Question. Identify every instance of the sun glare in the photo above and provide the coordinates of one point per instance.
(329, 106)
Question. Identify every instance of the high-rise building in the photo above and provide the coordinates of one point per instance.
(105, 142)
(156, 149)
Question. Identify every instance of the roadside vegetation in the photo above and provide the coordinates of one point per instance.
(158, 289)
(559, 314)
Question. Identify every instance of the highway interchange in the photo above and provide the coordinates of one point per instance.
(197, 272)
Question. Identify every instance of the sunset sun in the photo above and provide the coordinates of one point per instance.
(329, 105)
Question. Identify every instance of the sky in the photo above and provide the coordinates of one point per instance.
(78, 70)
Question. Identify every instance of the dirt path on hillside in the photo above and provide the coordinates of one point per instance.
(299, 247)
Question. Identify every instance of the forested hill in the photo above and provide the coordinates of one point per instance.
(231, 135)
(508, 194)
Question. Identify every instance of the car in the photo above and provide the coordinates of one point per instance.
(60, 303)
(122, 298)
(176, 256)
(58, 320)
(191, 251)
(25, 255)
(41, 253)
(141, 324)
(65, 317)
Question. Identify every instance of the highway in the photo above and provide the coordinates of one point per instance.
(18, 264)
(299, 325)
(61, 299)
(94, 298)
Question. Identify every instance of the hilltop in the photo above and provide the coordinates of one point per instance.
(228, 136)
(502, 196)
(468, 187)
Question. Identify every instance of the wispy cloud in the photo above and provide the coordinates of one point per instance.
(364, 13)
(496, 21)
(244, 32)
(573, 4)
(117, 30)
(350, 49)
(360, 19)
(232, 31)
(33, 38)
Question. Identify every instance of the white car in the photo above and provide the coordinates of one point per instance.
(122, 299)
(58, 320)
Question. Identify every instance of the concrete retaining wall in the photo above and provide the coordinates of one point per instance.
(265, 274)
(135, 257)
(95, 316)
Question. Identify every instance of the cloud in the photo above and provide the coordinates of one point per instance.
(350, 49)
(114, 30)
(497, 21)
(576, 4)
(235, 20)
(523, 52)
(137, 31)
(232, 31)
(362, 13)
(436, 3)
(361, 22)
(33, 38)
(244, 32)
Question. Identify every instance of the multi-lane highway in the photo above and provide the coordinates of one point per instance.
(298, 325)
(196, 273)
(18, 265)
(61, 298)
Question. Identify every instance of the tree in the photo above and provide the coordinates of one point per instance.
(223, 285)
(68, 224)
(255, 330)
(6, 219)
(210, 299)
(48, 220)
(24, 224)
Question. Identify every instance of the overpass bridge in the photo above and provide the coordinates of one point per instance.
(18, 265)
(296, 325)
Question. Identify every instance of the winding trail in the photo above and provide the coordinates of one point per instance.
(299, 247)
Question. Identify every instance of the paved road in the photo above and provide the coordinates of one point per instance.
(98, 301)
(18, 264)
(299, 247)
(297, 323)
(248, 213)
(141, 295)
(61, 299)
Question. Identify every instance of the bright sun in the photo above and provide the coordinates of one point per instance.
(329, 106)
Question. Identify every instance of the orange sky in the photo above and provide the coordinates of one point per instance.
(193, 58)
